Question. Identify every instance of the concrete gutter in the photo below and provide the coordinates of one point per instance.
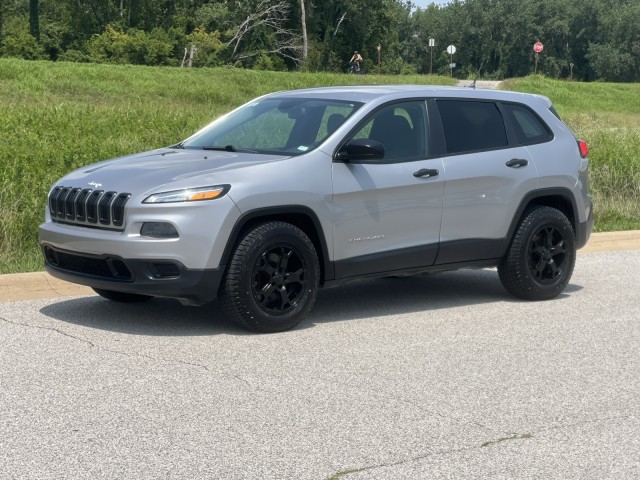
(36, 285)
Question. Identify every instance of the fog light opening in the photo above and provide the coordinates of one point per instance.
(158, 230)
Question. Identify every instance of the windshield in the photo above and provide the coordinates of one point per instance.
(291, 126)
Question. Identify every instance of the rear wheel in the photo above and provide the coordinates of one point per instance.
(272, 279)
(541, 257)
(122, 297)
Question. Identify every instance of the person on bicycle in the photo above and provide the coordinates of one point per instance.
(356, 60)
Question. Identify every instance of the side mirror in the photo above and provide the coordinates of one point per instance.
(362, 150)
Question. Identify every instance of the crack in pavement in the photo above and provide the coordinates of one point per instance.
(108, 350)
(512, 436)
(344, 473)
(46, 279)
(586, 422)
(18, 324)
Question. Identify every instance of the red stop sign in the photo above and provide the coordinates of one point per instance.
(538, 47)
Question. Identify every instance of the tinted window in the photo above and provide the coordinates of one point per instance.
(401, 128)
(529, 128)
(471, 126)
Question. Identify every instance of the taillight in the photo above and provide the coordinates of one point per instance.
(584, 148)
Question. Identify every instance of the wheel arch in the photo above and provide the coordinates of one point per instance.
(558, 198)
(302, 217)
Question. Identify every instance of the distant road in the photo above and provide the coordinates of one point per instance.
(492, 84)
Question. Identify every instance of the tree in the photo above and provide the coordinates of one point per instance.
(34, 18)
(305, 40)
(268, 22)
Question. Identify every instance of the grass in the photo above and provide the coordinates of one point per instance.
(59, 116)
(607, 117)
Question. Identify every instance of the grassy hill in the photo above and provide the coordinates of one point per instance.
(59, 116)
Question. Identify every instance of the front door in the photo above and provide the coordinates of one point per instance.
(387, 213)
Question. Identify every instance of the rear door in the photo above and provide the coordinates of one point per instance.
(488, 173)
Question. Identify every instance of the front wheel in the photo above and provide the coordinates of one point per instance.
(541, 257)
(272, 279)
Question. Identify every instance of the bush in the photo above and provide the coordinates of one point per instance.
(18, 42)
(270, 62)
(209, 48)
(134, 46)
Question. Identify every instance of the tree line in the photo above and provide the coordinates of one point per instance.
(583, 39)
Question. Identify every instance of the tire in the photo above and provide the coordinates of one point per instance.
(272, 279)
(541, 257)
(122, 297)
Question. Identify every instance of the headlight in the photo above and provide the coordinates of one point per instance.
(189, 195)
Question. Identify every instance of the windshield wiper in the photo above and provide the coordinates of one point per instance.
(228, 148)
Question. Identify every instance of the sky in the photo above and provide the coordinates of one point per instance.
(425, 3)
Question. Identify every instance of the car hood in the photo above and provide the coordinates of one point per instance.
(149, 171)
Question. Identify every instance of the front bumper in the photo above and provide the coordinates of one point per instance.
(158, 278)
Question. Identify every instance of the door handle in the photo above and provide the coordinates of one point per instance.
(517, 163)
(426, 173)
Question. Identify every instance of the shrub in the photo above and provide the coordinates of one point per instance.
(209, 48)
(134, 46)
(18, 42)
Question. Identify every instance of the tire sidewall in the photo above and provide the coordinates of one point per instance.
(279, 236)
(558, 221)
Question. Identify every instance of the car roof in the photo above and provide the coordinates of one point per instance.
(378, 93)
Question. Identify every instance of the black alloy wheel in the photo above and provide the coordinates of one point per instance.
(279, 279)
(547, 255)
(540, 260)
(272, 278)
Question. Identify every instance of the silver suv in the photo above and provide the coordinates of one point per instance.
(301, 189)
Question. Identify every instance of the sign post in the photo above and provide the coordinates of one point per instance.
(451, 49)
(537, 47)
(432, 43)
(379, 47)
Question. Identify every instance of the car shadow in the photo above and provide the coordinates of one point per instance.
(403, 295)
(355, 300)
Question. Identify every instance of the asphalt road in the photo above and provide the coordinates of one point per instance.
(442, 376)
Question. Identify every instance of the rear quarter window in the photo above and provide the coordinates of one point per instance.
(529, 127)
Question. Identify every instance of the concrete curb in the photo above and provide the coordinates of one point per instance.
(37, 285)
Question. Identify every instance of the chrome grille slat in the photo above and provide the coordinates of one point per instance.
(70, 203)
(81, 206)
(92, 206)
(118, 208)
(60, 204)
(87, 207)
(104, 208)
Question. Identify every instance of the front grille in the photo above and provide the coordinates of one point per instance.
(105, 267)
(92, 208)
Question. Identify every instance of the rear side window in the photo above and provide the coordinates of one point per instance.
(471, 126)
(529, 127)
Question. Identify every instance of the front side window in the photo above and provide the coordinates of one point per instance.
(472, 126)
(291, 126)
(402, 130)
